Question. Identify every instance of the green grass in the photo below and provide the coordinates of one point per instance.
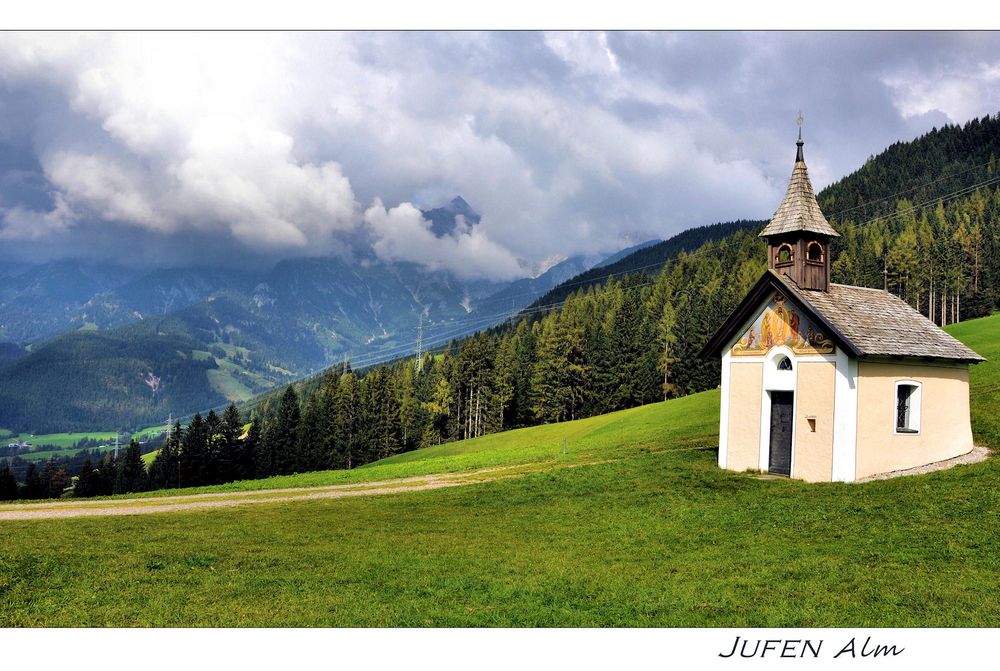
(983, 335)
(63, 443)
(43, 455)
(223, 382)
(634, 526)
(661, 539)
(61, 439)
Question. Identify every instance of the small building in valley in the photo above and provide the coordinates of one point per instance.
(828, 382)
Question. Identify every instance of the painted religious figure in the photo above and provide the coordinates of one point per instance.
(781, 324)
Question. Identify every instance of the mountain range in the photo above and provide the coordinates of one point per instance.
(209, 335)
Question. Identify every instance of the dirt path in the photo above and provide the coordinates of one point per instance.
(143, 506)
(61, 508)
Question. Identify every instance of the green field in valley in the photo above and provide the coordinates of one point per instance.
(633, 526)
(62, 444)
(59, 439)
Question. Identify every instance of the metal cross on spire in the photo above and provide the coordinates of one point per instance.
(798, 153)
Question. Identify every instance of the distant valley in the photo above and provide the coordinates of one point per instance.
(87, 346)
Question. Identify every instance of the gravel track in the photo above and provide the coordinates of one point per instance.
(145, 506)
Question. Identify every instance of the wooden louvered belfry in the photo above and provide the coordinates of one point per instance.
(798, 235)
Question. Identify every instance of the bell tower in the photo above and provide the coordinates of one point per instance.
(798, 235)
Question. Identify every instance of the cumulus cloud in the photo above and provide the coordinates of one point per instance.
(190, 141)
(402, 233)
(20, 223)
(567, 143)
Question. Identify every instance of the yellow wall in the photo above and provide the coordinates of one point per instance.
(945, 431)
(814, 396)
(745, 379)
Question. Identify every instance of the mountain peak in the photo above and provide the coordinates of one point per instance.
(459, 205)
(443, 218)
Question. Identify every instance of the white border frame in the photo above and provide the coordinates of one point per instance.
(914, 407)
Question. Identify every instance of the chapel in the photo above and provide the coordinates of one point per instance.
(829, 382)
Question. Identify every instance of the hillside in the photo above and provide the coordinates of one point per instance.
(251, 334)
(92, 379)
(648, 259)
(947, 161)
(633, 526)
(943, 161)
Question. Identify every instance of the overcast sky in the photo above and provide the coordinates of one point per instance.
(169, 148)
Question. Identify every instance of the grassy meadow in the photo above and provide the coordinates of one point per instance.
(633, 526)
(983, 335)
(59, 440)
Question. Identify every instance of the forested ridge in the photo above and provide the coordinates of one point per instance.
(648, 260)
(631, 340)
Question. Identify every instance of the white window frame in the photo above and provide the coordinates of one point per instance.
(916, 398)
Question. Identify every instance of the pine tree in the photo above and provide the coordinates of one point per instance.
(33, 488)
(230, 429)
(283, 433)
(309, 453)
(58, 482)
(346, 421)
(438, 409)
(163, 472)
(87, 483)
(212, 467)
(194, 453)
(249, 447)
(8, 484)
(107, 473)
(131, 476)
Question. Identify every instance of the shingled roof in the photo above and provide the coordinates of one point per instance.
(864, 322)
(881, 324)
(799, 210)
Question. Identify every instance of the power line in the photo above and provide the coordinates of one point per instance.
(904, 191)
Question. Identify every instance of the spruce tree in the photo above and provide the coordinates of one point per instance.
(229, 445)
(131, 476)
(86, 481)
(58, 482)
(163, 472)
(346, 421)
(213, 449)
(8, 483)
(310, 454)
(194, 453)
(246, 464)
(33, 488)
(283, 434)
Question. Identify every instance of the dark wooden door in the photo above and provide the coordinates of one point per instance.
(780, 460)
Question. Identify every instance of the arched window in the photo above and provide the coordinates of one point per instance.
(784, 255)
(907, 414)
(784, 363)
(814, 252)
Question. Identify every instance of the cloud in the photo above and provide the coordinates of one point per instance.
(20, 223)
(189, 141)
(958, 92)
(265, 145)
(402, 234)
